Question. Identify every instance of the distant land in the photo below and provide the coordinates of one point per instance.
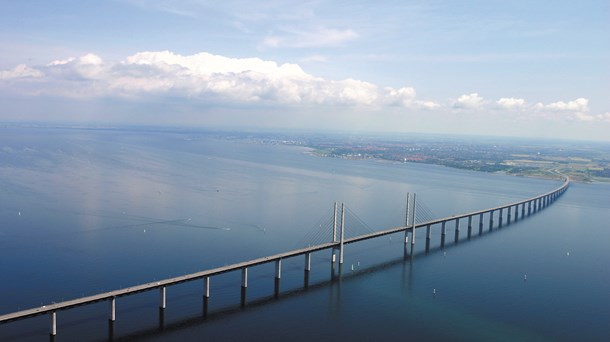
(582, 161)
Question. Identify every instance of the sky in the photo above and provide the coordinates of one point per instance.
(507, 68)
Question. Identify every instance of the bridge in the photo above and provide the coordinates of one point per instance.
(519, 209)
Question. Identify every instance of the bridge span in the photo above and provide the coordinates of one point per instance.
(519, 209)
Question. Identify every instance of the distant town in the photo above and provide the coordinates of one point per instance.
(582, 161)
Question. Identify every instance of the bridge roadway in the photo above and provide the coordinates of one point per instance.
(162, 284)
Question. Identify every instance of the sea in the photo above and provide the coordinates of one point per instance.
(85, 211)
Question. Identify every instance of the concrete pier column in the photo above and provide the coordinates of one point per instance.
(516, 212)
(529, 207)
(428, 232)
(508, 216)
(480, 223)
(162, 297)
(522, 210)
(457, 224)
(244, 277)
(407, 218)
(112, 305)
(307, 262)
(413, 220)
(278, 268)
(500, 218)
(53, 324)
(443, 228)
(491, 219)
(206, 287)
(342, 233)
(469, 222)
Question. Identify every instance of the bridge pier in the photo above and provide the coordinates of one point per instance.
(308, 262)
(244, 277)
(112, 305)
(491, 219)
(206, 287)
(53, 324)
(508, 215)
(500, 218)
(522, 210)
(469, 226)
(278, 268)
(162, 297)
(443, 228)
(480, 223)
(428, 232)
(529, 208)
(276, 287)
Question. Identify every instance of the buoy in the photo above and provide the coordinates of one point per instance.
(352, 267)
(525, 277)
(568, 253)
(433, 291)
(19, 213)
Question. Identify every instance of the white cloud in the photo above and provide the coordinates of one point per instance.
(201, 76)
(579, 105)
(405, 97)
(469, 101)
(205, 77)
(318, 37)
(511, 103)
(20, 71)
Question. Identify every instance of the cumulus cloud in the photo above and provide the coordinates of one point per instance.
(469, 101)
(205, 78)
(511, 103)
(405, 97)
(19, 72)
(580, 105)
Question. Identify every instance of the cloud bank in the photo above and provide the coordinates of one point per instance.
(209, 78)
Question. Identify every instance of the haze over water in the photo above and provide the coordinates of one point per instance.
(87, 211)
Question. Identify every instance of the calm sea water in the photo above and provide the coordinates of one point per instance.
(86, 211)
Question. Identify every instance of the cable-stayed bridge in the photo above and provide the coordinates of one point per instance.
(335, 230)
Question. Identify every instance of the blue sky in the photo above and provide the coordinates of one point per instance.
(511, 68)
